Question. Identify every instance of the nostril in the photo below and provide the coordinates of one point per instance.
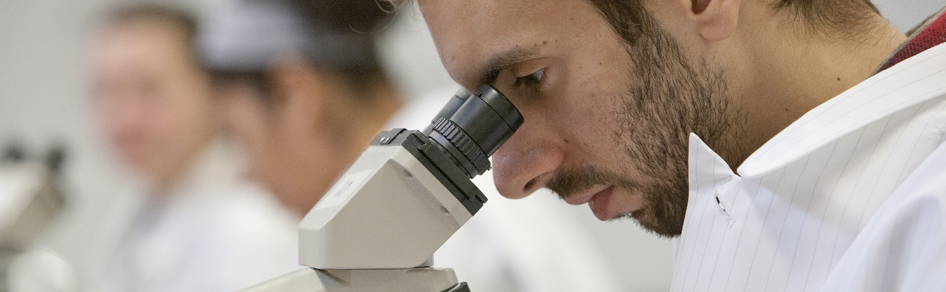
(529, 186)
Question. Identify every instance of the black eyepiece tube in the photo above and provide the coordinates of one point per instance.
(449, 109)
(489, 118)
(477, 128)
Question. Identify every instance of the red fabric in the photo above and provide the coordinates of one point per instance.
(932, 35)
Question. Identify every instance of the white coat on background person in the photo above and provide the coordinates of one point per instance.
(213, 231)
(201, 226)
(538, 243)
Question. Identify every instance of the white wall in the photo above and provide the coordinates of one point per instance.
(907, 14)
(42, 90)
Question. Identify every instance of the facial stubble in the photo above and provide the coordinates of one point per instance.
(669, 97)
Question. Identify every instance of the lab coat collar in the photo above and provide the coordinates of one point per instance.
(710, 169)
(879, 96)
(708, 172)
(867, 102)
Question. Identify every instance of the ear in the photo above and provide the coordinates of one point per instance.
(716, 19)
(299, 90)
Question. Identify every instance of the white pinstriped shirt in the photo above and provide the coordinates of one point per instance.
(850, 197)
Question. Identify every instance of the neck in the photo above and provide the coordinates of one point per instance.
(163, 183)
(789, 74)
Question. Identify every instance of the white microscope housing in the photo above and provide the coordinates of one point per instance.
(378, 226)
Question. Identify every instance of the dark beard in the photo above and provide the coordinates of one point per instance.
(672, 98)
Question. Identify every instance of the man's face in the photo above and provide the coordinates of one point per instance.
(606, 121)
(153, 101)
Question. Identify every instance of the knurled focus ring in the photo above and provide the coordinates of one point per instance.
(464, 143)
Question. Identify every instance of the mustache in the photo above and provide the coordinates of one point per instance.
(569, 182)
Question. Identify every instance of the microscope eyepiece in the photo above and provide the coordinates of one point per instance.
(418, 183)
(449, 109)
(476, 128)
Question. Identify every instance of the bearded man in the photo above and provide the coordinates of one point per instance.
(787, 145)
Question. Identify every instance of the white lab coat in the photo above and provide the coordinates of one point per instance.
(214, 231)
(539, 244)
(851, 197)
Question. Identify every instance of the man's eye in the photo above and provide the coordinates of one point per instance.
(531, 80)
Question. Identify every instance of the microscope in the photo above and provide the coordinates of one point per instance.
(30, 200)
(378, 226)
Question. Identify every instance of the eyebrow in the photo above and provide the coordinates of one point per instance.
(504, 60)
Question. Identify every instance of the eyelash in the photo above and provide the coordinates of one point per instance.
(532, 80)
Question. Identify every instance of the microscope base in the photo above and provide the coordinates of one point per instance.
(386, 280)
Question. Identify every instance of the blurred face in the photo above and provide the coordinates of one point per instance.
(284, 141)
(153, 101)
(606, 121)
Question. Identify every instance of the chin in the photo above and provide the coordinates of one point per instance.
(649, 222)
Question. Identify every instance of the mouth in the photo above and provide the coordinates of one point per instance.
(597, 199)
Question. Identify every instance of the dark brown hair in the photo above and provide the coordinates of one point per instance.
(840, 15)
(840, 18)
(350, 17)
(823, 17)
(362, 16)
(355, 19)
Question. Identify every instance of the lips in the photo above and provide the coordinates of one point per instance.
(599, 204)
(597, 198)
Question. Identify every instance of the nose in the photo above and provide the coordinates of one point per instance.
(526, 162)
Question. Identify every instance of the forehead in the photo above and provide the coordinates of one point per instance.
(471, 34)
(138, 42)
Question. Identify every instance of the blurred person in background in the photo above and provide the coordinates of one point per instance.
(305, 92)
(202, 226)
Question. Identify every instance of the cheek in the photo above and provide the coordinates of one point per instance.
(272, 163)
(119, 114)
(189, 113)
(585, 99)
(590, 127)
(285, 156)
(111, 122)
(246, 121)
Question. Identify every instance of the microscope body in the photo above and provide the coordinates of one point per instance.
(30, 201)
(378, 226)
(365, 280)
(389, 211)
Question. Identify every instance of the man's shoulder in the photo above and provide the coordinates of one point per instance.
(903, 246)
(928, 180)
